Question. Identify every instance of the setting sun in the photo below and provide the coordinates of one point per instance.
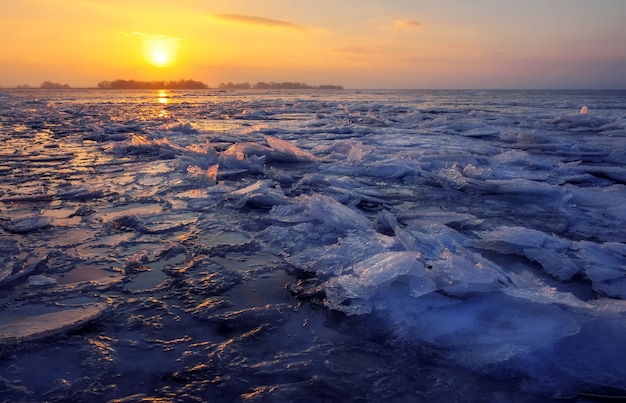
(160, 58)
(160, 51)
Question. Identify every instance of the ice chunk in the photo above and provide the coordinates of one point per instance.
(333, 213)
(390, 168)
(550, 251)
(322, 208)
(260, 194)
(28, 198)
(152, 223)
(455, 178)
(359, 153)
(35, 322)
(548, 295)
(454, 268)
(598, 196)
(445, 217)
(183, 127)
(605, 266)
(480, 131)
(290, 213)
(358, 158)
(242, 150)
(287, 151)
(15, 264)
(555, 263)
(250, 157)
(212, 172)
(197, 174)
(324, 250)
(82, 192)
(358, 289)
(578, 121)
(529, 286)
(512, 238)
(522, 186)
(387, 220)
(141, 144)
(41, 280)
(27, 224)
(378, 271)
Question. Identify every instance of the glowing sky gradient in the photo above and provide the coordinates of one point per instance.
(355, 43)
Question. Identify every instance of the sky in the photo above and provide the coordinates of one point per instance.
(394, 44)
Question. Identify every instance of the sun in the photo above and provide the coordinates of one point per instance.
(160, 58)
(160, 51)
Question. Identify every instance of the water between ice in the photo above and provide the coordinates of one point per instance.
(348, 245)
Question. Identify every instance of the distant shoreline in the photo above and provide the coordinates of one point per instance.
(217, 89)
(213, 89)
(182, 84)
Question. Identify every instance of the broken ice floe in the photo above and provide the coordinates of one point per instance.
(27, 224)
(550, 251)
(354, 290)
(39, 321)
(40, 280)
(605, 266)
(261, 194)
(16, 264)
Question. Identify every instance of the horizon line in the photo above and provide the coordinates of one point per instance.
(316, 88)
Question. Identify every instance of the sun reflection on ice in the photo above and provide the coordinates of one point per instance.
(163, 99)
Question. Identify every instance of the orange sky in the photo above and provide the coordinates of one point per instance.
(358, 44)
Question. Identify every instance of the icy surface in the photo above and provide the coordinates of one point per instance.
(337, 245)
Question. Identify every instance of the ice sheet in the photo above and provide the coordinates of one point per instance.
(339, 245)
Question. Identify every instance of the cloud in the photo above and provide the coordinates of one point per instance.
(253, 20)
(406, 25)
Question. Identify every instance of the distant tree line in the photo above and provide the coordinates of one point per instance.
(49, 85)
(151, 85)
(190, 84)
(46, 85)
(276, 86)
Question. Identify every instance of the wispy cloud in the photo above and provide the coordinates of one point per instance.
(406, 25)
(254, 20)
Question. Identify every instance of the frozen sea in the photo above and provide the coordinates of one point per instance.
(321, 246)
